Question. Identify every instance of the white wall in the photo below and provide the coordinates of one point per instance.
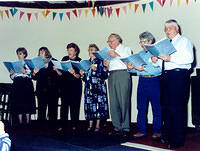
(85, 30)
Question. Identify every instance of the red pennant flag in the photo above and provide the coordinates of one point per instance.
(109, 12)
(187, 2)
(47, 12)
(136, 7)
(75, 12)
(29, 16)
(68, 15)
(117, 11)
(7, 13)
(163, 3)
(93, 11)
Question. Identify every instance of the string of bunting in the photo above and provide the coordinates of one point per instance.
(107, 11)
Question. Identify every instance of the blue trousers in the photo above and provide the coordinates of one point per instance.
(148, 90)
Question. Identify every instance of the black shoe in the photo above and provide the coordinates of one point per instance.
(163, 140)
(115, 133)
(125, 134)
(174, 146)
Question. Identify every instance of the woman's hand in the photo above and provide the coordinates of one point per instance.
(94, 67)
(12, 72)
(55, 69)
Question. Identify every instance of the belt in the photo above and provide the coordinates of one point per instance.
(121, 70)
(147, 76)
(176, 70)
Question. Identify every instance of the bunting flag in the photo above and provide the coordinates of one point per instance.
(125, 9)
(101, 11)
(7, 13)
(54, 15)
(86, 12)
(151, 4)
(93, 3)
(105, 11)
(171, 1)
(79, 12)
(93, 12)
(163, 3)
(13, 11)
(36, 16)
(178, 2)
(187, 2)
(20, 15)
(109, 12)
(1, 14)
(47, 12)
(143, 7)
(130, 5)
(159, 1)
(117, 11)
(61, 16)
(68, 15)
(44, 14)
(75, 12)
(136, 7)
(29, 16)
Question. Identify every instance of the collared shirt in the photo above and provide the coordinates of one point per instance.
(183, 57)
(116, 63)
(149, 69)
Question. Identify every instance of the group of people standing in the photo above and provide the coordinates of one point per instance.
(164, 81)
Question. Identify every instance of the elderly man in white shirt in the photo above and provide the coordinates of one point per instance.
(119, 85)
(175, 83)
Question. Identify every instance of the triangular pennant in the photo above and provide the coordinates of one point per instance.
(171, 1)
(109, 12)
(136, 7)
(47, 12)
(13, 11)
(101, 11)
(44, 14)
(143, 7)
(187, 2)
(159, 1)
(20, 15)
(86, 12)
(68, 15)
(105, 11)
(54, 15)
(130, 5)
(1, 14)
(151, 5)
(7, 13)
(79, 12)
(29, 16)
(93, 12)
(125, 9)
(195, 0)
(163, 2)
(61, 16)
(36, 16)
(93, 3)
(178, 2)
(88, 3)
(117, 11)
(75, 12)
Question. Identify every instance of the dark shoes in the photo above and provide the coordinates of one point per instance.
(156, 136)
(174, 146)
(115, 133)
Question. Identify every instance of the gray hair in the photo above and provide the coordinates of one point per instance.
(117, 37)
(173, 21)
(148, 36)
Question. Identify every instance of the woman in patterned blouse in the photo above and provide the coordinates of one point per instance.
(95, 93)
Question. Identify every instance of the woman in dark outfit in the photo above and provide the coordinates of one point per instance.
(22, 96)
(71, 88)
(95, 93)
(46, 87)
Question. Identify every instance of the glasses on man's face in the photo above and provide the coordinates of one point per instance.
(111, 41)
(143, 41)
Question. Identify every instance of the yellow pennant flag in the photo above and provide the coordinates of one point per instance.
(44, 14)
(130, 5)
(1, 14)
(86, 12)
(178, 2)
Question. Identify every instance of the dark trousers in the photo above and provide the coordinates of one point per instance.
(49, 99)
(174, 98)
(148, 90)
(71, 99)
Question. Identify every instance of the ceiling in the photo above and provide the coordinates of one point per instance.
(59, 4)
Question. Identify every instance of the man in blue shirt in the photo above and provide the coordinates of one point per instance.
(148, 89)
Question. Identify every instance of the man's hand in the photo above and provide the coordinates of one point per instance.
(112, 53)
(165, 58)
(154, 59)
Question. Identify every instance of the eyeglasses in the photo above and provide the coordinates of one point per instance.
(111, 41)
(143, 41)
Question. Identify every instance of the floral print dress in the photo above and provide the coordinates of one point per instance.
(95, 93)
